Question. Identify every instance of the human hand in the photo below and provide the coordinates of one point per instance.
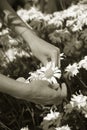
(41, 49)
(41, 92)
(45, 52)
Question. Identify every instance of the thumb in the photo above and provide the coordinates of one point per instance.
(54, 86)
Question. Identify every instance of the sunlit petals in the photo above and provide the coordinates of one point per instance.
(49, 73)
(33, 76)
(73, 69)
(57, 75)
(53, 80)
(83, 63)
(52, 115)
(63, 128)
(78, 100)
(25, 128)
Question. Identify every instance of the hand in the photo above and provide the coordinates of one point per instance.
(41, 49)
(40, 92)
(44, 51)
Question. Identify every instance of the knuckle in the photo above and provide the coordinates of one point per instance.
(56, 51)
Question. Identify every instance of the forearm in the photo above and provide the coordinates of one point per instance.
(13, 88)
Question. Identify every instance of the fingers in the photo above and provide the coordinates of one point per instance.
(43, 59)
(64, 90)
(56, 86)
(55, 57)
(45, 94)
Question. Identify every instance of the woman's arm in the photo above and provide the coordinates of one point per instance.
(12, 87)
(37, 91)
(10, 13)
(40, 48)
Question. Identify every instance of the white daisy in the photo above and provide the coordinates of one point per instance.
(83, 63)
(72, 69)
(79, 101)
(4, 31)
(25, 128)
(63, 128)
(23, 14)
(62, 56)
(10, 54)
(52, 115)
(49, 73)
(34, 76)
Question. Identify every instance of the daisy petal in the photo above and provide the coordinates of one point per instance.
(56, 68)
(53, 79)
(49, 65)
(39, 72)
(57, 75)
(43, 69)
(57, 71)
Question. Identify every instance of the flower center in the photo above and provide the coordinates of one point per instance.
(49, 73)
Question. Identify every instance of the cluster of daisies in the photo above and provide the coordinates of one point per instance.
(60, 27)
(77, 102)
(52, 73)
(75, 16)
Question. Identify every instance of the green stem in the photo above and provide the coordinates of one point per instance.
(81, 83)
(4, 126)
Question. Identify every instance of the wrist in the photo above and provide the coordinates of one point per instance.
(28, 93)
(29, 36)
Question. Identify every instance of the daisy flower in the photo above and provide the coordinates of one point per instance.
(49, 73)
(63, 128)
(52, 116)
(83, 63)
(25, 128)
(72, 69)
(10, 54)
(62, 56)
(33, 13)
(23, 14)
(4, 32)
(34, 76)
(79, 101)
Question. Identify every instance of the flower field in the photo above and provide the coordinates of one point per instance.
(67, 30)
